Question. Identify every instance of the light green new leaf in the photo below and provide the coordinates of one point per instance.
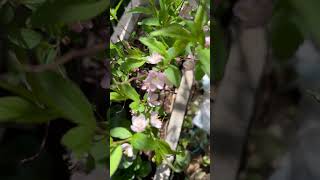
(173, 74)
(150, 22)
(120, 132)
(143, 10)
(174, 31)
(114, 96)
(115, 159)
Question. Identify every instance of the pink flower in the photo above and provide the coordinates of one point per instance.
(139, 123)
(155, 80)
(207, 41)
(154, 58)
(154, 120)
(127, 149)
(153, 99)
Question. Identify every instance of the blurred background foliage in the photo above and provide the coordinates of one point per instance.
(52, 107)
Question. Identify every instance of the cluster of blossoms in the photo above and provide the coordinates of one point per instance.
(154, 81)
(139, 123)
(128, 150)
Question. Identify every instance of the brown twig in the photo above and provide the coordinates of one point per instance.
(43, 143)
(67, 57)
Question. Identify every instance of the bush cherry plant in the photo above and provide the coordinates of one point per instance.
(142, 71)
(38, 33)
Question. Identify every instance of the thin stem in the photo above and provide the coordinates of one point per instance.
(67, 57)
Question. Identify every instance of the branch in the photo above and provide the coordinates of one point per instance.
(67, 57)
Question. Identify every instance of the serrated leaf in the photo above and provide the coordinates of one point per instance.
(115, 159)
(63, 96)
(68, 11)
(120, 132)
(173, 74)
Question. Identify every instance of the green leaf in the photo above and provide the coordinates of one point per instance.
(98, 150)
(114, 96)
(310, 13)
(46, 53)
(154, 45)
(179, 47)
(198, 72)
(141, 141)
(164, 148)
(285, 37)
(67, 11)
(6, 14)
(220, 54)
(182, 161)
(120, 132)
(32, 4)
(150, 22)
(130, 92)
(63, 96)
(131, 64)
(200, 14)
(25, 38)
(78, 139)
(204, 56)
(115, 159)
(134, 106)
(18, 90)
(174, 31)
(143, 10)
(145, 169)
(18, 110)
(173, 74)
